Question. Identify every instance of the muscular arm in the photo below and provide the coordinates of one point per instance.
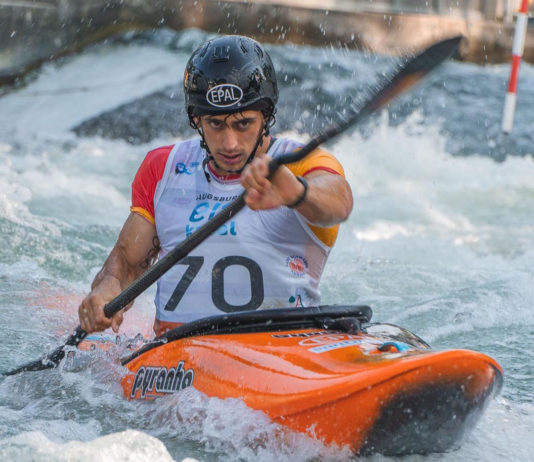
(328, 200)
(134, 252)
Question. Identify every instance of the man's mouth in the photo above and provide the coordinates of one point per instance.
(230, 158)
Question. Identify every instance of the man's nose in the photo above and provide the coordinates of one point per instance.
(230, 142)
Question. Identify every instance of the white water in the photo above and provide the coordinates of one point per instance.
(442, 245)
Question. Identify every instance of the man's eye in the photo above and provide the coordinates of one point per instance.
(243, 125)
(215, 123)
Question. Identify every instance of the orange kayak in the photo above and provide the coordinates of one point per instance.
(325, 371)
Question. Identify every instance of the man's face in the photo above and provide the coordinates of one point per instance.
(231, 138)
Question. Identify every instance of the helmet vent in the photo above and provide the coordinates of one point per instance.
(259, 51)
(221, 54)
(204, 50)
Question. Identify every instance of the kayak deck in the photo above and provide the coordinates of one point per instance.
(379, 389)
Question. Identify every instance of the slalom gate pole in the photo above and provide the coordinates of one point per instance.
(517, 53)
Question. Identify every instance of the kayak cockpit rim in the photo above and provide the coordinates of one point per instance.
(346, 318)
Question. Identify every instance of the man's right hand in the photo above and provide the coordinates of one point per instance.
(91, 310)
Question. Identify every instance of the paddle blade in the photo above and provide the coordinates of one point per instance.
(52, 359)
(412, 73)
(405, 78)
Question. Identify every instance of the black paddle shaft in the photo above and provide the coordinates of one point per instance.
(408, 75)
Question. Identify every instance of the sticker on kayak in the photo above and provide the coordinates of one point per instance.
(161, 380)
(326, 339)
(300, 334)
(336, 345)
(323, 341)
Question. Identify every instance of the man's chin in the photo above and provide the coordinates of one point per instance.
(230, 166)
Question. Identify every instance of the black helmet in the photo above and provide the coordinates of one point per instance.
(230, 74)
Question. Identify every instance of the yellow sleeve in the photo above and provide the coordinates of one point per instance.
(144, 213)
(319, 160)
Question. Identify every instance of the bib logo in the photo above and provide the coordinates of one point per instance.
(204, 211)
(297, 264)
(187, 169)
(162, 380)
(224, 95)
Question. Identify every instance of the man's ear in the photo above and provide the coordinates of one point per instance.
(197, 120)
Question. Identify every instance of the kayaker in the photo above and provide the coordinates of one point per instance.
(273, 252)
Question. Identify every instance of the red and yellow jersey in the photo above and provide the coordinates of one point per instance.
(257, 260)
(152, 168)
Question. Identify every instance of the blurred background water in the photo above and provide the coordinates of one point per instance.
(440, 240)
